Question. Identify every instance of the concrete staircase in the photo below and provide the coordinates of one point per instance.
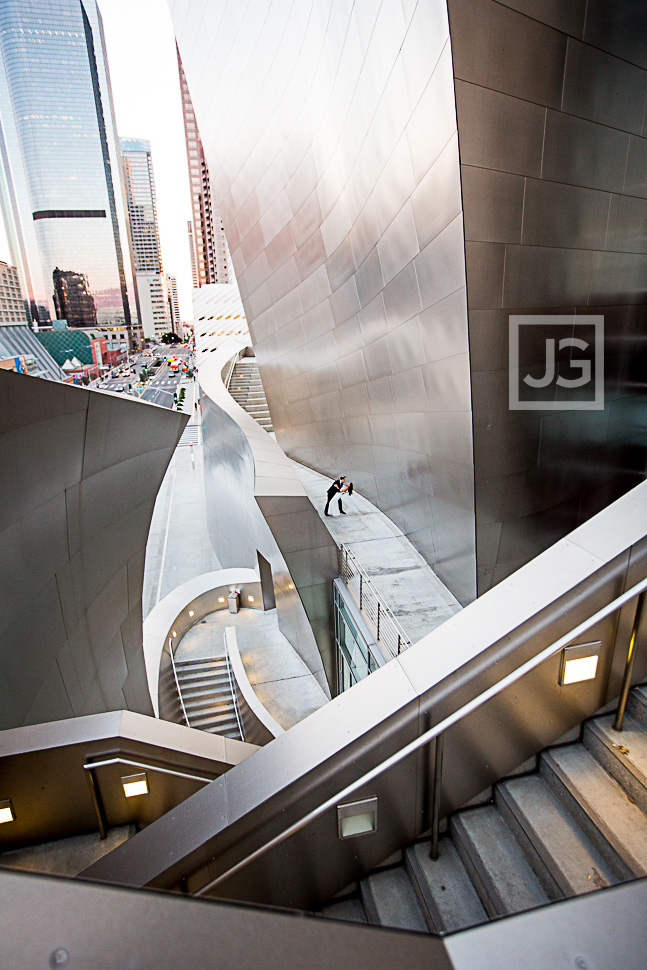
(577, 824)
(206, 695)
(246, 388)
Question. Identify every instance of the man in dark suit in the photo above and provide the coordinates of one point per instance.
(336, 488)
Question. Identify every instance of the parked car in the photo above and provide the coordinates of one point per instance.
(119, 387)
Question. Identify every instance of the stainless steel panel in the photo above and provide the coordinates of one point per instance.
(564, 215)
(581, 152)
(627, 230)
(525, 58)
(604, 88)
(494, 205)
(72, 580)
(568, 18)
(544, 277)
(635, 181)
(498, 131)
(617, 30)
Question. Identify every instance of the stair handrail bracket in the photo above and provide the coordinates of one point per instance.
(430, 735)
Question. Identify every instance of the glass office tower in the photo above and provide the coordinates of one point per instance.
(57, 99)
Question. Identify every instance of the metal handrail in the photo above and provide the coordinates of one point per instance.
(429, 735)
(177, 684)
(389, 633)
(233, 692)
(232, 364)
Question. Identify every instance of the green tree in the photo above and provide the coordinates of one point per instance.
(170, 338)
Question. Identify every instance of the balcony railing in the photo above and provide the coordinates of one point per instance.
(389, 635)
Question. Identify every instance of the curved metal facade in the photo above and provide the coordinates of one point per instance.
(344, 142)
(79, 474)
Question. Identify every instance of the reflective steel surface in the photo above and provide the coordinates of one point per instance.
(332, 133)
(550, 101)
(78, 478)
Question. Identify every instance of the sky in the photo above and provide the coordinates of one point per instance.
(146, 89)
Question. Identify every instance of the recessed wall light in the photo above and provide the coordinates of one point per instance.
(135, 784)
(6, 811)
(251, 599)
(174, 633)
(191, 612)
(579, 663)
(357, 818)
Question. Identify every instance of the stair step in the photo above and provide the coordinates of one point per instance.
(203, 677)
(503, 877)
(225, 718)
(390, 900)
(233, 733)
(349, 910)
(565, 860)
(615, 825)
(444, 889)
(637, 705)
(216, 662)
(206, 703)
(622, 753)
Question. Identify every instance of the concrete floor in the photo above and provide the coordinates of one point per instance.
(280, 679)
(405, 581)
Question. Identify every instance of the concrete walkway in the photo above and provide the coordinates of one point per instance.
(281, 680)
(179, 549)
(405, 581)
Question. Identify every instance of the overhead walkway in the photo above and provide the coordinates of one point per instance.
(574, 825)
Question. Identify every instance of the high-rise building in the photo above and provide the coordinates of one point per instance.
(12, 305)
(174, 304)
(142, 205)
(194, 265)
(19, 348)
(154, 304)
(61, 164)
(73, 300)
(144, 234)
(209, 245)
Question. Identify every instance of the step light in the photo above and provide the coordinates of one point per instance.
(135, 784)
(6, 811)
(221, 599)
(579, 662)
(357, 818)
(250, 599)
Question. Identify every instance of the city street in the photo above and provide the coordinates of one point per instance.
(162, 383)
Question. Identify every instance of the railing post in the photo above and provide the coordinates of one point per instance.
(378, 619)
(435, 795)
(629, 666)
(360, 591)
(97, 802)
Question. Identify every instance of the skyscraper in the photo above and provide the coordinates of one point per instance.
(144, 234)
(194, 265)
(73, 300)
(208, 245)
(60, 154)
(174, 305)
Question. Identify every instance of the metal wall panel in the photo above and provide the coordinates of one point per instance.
(342, 206)
(332, 137)
(79, 475)
(563, 131)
